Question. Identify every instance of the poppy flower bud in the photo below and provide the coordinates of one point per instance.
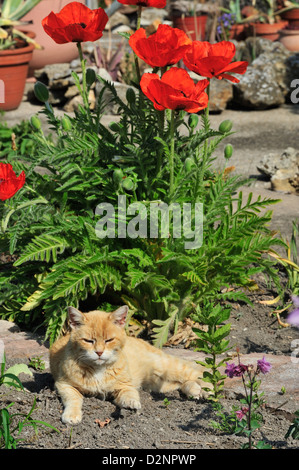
(128, 184)
(225, 126)
(228, 151)
(41, 92)
(130, 95)
(193, 121)
(66, 123)
(35, 123)
(189, 162)
(90, 77)
(118, 175)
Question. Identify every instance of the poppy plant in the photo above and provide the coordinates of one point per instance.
(175, 90)
(75, 23)
(145, 3)
(214, 60)
(165, 47)
(9, 182)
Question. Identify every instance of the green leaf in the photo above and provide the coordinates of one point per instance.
(43, 248)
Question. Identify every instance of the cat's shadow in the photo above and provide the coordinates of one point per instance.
(39, 382)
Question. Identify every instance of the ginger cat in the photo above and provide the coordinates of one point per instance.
(98, 358)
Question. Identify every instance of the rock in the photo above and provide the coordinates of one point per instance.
(117, 19)
(221, 93)
(51, 73)
(121, 90)
(265, 83)
(151, 15)
(283, 170)
(73, 103)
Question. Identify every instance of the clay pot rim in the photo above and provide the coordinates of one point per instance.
(289, 32)
(267, 25)
(292, 13)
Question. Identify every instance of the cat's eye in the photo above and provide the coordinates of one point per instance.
(87, 340)
(109, 340)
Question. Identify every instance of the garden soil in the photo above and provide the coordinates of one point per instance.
(173, 423)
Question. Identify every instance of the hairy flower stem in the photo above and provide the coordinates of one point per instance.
(84, 92)
(139, 11)
(171, 156)
(205, 152)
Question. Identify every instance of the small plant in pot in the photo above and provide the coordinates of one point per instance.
(290, 13)
(265, 23)
(191, 17)
(16, 49)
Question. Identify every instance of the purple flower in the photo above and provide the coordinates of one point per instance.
(263, 366)
(293, 317)
(242, 412)
(229, 371)
(233, 370)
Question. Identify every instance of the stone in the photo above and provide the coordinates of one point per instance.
(282, 169)
(121, 90)
(265, 83)
(73, 104)
(151, 15)
(117, 19)
(51, 73)
(221, 93)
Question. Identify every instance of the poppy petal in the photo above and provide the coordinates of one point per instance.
(9, 182)
(165, 47)
(236, 67)
(225, 49)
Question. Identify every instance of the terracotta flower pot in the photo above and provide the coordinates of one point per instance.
(291, 16)
(14, 65)
(194, 30)
(290, 39)
(51, 53)
(268, 31)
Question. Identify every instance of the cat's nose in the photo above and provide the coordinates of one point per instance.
(99, 353)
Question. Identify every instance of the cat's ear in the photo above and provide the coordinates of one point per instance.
(76, 318)
(119, 316)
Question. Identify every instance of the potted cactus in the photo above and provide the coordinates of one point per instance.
(16, 48)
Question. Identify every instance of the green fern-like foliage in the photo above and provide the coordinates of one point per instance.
(58, 259)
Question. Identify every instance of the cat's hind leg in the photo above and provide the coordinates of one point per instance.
(171, 373)
(72, 401)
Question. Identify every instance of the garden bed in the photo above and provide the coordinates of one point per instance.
(174, 423)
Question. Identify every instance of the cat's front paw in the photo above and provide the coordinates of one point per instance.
(130, 401)
(70, 417)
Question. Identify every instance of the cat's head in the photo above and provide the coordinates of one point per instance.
(97, 337)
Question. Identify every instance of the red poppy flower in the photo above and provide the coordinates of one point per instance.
(175, 90)
(214, 60)
(145, 3)
(165, 47)
(9, 182)
(75, 23)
